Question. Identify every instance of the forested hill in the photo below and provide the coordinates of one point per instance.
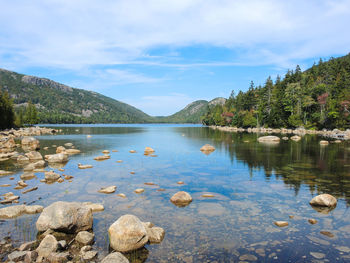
(316, 98)
(58, 103)
(192, 113)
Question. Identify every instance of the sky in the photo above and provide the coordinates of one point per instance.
(160, 55)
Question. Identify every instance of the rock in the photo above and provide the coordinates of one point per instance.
(68, 144)
(27, 246)
(27, 176)
(85, 249)
(60, 149)
(108, 190)
(85, 238)
(57, 158)
(207, 149)
(269, 139)
(139, 190)
(61, 257)
(208, 195)
(51, 176)
(324, 200)
(105, 152)
(327, 233)
(30, 190)
(17, 256)
(248, 257)
(94, 207)
(119, 161)
(127, 234)
(89, 255)
(155, 234)
(322, 142)
(47, 246)
(281, 223)
(317, 255)
(72, 151)
(180, 182)
(34, 156)
(30, 256)
(12, 211)
(86, 166)
(22, 159)
(102, 158)
(181, 198)
(62, 244)
(285, 138)
(132, 151)
(312, 221)
(3, 173)
(149, 183)
(67, 217)
(30, 143)
(60, 180)
(115, 257)
(148, 150)
(121, 195)
(33, 209)
(295, 138)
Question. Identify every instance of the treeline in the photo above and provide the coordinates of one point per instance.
(11, 117)
(315, 99)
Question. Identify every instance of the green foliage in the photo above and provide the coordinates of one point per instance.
(6, 111)
(317, 98)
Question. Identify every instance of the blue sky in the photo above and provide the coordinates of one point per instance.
(160, 55)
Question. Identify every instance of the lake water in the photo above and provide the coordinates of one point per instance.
(253, 185)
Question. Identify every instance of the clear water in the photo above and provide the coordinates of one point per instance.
(254, 185)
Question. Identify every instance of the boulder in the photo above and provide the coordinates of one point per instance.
(115, 257)
(30, 143)
(207, 149)
(269, 139)
(326, 200)
(108, 190)
(57, 158)
(34, 156)
(127, 234)
(48, 246)
(52, 176)
(181, 198)
(67, 217)
(295, 138)
(85, 237)
(323, 142)
(12, 211)
(60, 149)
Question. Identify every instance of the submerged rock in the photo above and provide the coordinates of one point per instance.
(67, 217)
(269, 139)
(84, 166)
(207, 149)
(281, 223)
(108, 190)
(325, 200)
(127, 234)
(115, 257)
(181, 198)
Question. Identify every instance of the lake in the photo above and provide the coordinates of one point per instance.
(253, 185)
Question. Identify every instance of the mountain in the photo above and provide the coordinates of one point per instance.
(58, 103)
(192, 112)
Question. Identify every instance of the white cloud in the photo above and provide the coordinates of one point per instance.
(75, 34)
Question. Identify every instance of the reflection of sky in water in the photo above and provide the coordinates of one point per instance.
(253, 185)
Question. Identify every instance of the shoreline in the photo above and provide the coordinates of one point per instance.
(334, 134)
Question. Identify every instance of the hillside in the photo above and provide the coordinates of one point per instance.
(192, 112)
(317, 98)
(58, 103)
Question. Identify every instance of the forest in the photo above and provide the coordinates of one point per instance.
(317, 98)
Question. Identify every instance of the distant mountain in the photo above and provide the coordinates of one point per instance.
(192, 112)
(58, 103)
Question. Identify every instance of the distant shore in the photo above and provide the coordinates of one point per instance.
(335, 133)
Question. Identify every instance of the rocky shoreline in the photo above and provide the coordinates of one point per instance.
(335, 134)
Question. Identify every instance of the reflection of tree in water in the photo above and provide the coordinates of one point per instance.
(322, 168)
